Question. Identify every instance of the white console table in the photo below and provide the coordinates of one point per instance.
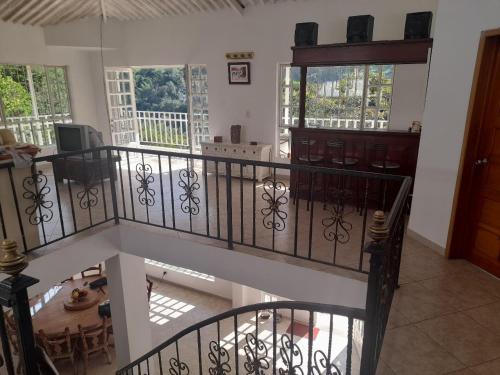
(259, 152)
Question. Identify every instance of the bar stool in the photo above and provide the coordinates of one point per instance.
(381, 163)
(336, 154)
(302, 148)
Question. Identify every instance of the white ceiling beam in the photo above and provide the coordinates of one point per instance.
(135, 9)
(125, 10)
(90, 7)
(153, 7)
(18, 11)
(104, 12)
(32, 11)
(45, 14)
(185, 8)
(141, 8)
(74, 7)
(167, 7)
(236, 5)
(8, 4)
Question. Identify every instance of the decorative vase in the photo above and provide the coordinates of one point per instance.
(235, 133)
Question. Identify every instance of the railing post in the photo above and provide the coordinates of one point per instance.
(229, 199)
(112, 184)
(14, 294)
(379, 232)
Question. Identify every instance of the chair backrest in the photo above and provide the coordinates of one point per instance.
(57, 344)
(379, 153)
(94, 337)
(303, 147)
(92, 271)
(336, 149)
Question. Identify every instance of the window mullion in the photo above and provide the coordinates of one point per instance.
(31, 86)
(363, 100)
(49, 92)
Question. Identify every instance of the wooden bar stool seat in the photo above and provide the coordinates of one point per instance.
(390, 165)
(382, 163)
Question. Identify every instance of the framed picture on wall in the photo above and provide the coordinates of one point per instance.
(238, 73)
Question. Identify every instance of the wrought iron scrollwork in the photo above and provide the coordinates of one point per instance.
(145, 178)
(322, 367)
(190, 203)
(219, 357)
(256, 355)
(36, 189)
(88, 197)
(292, 357)
(178, 367)
(336, 227)
(274, 195)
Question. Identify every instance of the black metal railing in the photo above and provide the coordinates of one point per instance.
(262, 338)
(323, 220)
(61, 195)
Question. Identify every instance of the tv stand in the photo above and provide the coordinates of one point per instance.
(84, 171)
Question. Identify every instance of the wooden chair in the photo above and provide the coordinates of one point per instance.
(10, 326)
(94, 271)
(149, 288)
(93, 340)
(59, 346)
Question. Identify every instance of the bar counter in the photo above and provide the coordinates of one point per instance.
(402, 145)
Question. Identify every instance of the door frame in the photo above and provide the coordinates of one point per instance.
(457, 244)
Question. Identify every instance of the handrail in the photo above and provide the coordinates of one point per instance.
(350, 312)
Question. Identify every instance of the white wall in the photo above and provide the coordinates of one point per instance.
(267, 30)
(458, 27)
(21, 44)
(217, 286)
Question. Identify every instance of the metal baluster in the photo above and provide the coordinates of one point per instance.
(58, 197)
(171, 190)
(363, 234)
(177, 355)
(257, 339)
(275, 344)
(16, 204)
(147, 365)
(159, 363)
(218, 341)
(217, 199)
(313, 177)
(310, 341)
(35, 185)
(145, 192)
(236, 356)
(161, 190)
(103, 192)
(254, 202)
(5, 344)
(241, 204)
(229, 200)
(121, 185)
(88, 185)
(296, 233)
(189, 198)
(130, 186)
(200, 364)
(205, 179)
(274, 211)
(292, 323)
(70, 192)
(329, 354)
(4, 231)
(349, 347)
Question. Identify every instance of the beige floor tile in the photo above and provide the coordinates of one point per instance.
(488, 316)
(409, 351)
(417, 303)
(488, 368)
(463, 337)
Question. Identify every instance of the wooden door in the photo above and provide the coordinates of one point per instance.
(483, 240)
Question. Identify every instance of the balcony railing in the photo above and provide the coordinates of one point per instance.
(170, 129)
(61, 195)
(36, 130)
(336, 123)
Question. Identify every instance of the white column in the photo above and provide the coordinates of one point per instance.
(129, 307)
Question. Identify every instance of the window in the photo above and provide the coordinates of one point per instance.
(32, 98)
(345, 97)
(198, 95)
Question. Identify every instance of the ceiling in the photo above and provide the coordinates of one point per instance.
(52, 12)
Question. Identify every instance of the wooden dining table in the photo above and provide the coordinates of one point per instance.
(50, 314)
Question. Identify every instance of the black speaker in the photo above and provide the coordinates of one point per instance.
(306, 34)
(360, 29)
(418, 25)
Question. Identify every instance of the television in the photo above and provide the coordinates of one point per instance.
(72, 137)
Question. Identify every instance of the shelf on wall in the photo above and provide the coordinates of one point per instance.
(414, 51)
